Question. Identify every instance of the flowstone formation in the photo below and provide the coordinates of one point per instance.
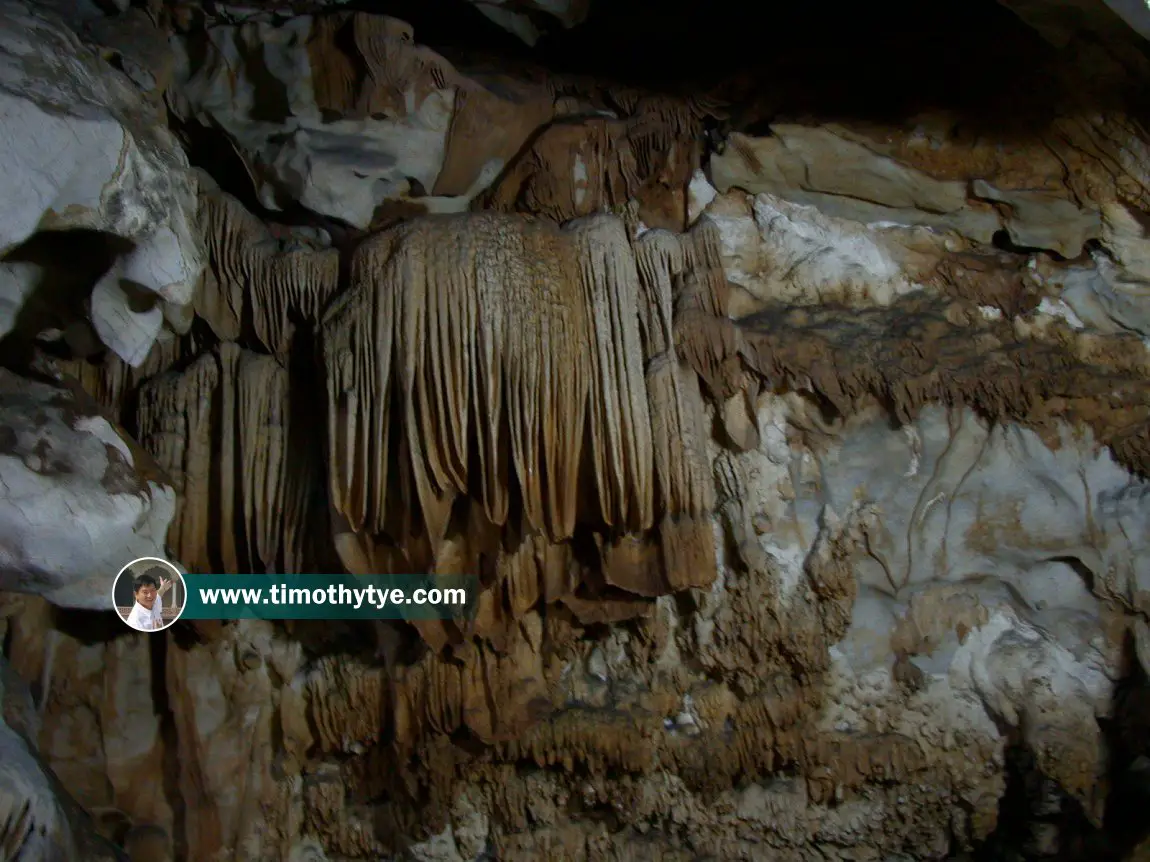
(800, 447)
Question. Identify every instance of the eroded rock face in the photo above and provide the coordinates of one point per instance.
(83, 150)
(327, 138)
(348, 116)
(38, 818)
(79, 499)
(1020, 549)
(581, 292)
(791, 671)
(796, 529)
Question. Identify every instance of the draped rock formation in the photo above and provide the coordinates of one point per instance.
(225, 481)
(798, 438)
(514, 343)
(257, 285)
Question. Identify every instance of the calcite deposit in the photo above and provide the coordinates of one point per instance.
(85, 150)
(798, 436)
(77, 496)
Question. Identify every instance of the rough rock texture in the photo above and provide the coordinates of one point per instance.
(83, 150)
(257, 287)
(347, 115)
(78, 499)
(802, 457)
(38, 817)
(225, 480)
(343, 112)
(579, 297)
(580, 166)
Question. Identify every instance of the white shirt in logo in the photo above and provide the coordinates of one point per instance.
(141, 618)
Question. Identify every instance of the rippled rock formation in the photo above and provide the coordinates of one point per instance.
(799, 439)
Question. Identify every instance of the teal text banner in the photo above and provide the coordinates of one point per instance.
(330, 597)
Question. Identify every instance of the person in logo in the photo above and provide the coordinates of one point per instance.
(147, 614)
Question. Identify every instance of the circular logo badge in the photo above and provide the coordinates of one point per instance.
(149, 594)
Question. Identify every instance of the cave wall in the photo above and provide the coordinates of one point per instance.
(800, 446)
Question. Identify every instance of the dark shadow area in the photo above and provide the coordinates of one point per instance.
(1038, 820)
(455, 26)
(307, 486)
(1002, 241)
(748, 65)
(170, 768)
(1128, 738)
(967, 57)
(68, 263)
(90, 627)
(210, 149)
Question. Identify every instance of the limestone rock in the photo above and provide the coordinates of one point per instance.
(309, 129)
(1004, 642)
(938, 350)
(582, 166)
(242, 798)
(84, 151)
(98, 730)
(240, 474)
(31, 822)
(792, 529)
(110, 380)
(1021, 630)
(1054, 525)
(900, 180)
(1133, 14)
(38, 820)
(17, 282)
(827, 168)
(17, 708)
(777, 250)
(1109, 293)
(138, 44)
(255, 276)
(1043, 220)
(523, 295)
(80, 501)
(527, 20)
(523, 19)
(812, 236)
(700, 193)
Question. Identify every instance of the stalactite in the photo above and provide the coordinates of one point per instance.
(554, 354)
(493, 694)
(250, 277)
(110, 381)
(622, 436)
(395, 64)
(578, 166)
(220, 429)
(506, 325)
(686, 488)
